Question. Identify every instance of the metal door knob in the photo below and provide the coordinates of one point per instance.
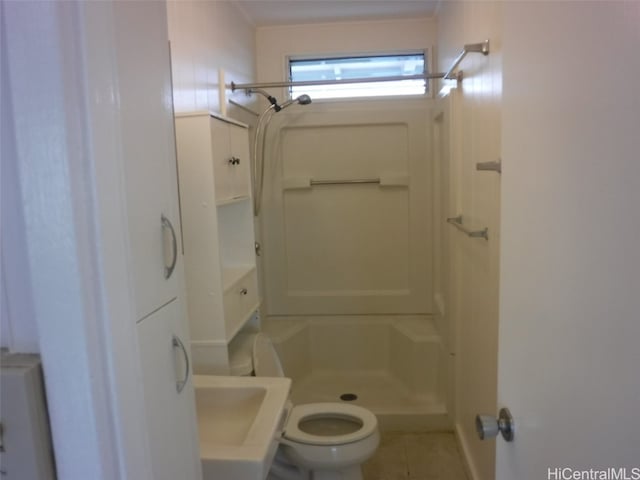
(488, 426)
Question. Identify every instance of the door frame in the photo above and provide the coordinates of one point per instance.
(62, 130)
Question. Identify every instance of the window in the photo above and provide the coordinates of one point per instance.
(369, 67)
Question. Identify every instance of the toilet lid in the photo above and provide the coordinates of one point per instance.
(360, 421)
(266, 362)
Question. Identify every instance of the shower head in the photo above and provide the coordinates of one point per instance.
(302, 100)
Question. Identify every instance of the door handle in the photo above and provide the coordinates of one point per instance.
(168, 269)
(488, 426)
(177, 343)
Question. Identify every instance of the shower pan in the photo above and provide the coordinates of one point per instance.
(391, 365)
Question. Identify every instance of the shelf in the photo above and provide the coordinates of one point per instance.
(232, 200)
(244, 320)
(231, 276)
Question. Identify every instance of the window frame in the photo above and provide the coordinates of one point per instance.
(316, 56)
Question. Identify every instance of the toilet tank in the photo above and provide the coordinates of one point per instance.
(241, 355)
(266, 362)
(254, 353)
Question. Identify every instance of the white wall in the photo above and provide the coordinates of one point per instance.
(205, 37)
(570, 267)
(275, 43)
(473, 302)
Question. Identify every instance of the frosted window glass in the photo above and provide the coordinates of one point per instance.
(369, 67)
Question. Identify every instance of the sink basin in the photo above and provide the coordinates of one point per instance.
(239, 419)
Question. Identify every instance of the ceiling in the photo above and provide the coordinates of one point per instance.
(283, 12)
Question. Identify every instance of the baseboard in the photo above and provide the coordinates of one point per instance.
(470, 468)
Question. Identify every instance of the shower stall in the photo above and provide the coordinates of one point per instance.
(355, 260)
(346, 234)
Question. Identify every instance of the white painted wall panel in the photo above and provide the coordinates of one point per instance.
(349, 249)
(206, 37)
(275, 43)
(473, 298)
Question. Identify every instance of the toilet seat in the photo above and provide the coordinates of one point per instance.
(293, 432)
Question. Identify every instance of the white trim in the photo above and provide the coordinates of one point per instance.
(111, 221)
(203, 113)
(469, 466)
(18, 326)
(209, 343)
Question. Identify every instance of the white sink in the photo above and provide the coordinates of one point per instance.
(238, 421)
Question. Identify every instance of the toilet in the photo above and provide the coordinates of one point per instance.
(320, 441)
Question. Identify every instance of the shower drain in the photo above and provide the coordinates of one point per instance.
(348, 397)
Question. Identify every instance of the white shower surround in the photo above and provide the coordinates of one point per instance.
(393, 363)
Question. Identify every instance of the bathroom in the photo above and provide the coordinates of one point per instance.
(422, 319)
(359, 312)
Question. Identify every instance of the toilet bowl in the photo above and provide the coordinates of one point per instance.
(320, 441)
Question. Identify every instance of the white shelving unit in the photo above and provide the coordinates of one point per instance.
(219, 240)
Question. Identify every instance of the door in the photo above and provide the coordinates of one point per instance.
(144, 84)
(223, 161)
(238, 139)
(569, 360)
(168, 394)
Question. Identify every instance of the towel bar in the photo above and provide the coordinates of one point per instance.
(457, 222)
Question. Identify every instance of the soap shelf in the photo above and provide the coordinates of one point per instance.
(232, 200)
(495, 166)
(457, 222)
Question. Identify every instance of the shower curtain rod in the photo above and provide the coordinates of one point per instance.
(309, 83)
(482, 47)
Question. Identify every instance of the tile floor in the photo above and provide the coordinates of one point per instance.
(416, 456)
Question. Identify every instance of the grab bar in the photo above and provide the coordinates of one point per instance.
(482, 48)
(345, 182)
(384, 180)
(457, 222)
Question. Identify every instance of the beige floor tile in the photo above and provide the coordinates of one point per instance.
(416, 456)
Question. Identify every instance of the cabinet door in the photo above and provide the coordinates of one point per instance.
(239, 138)
(170, 414)
(148, 148)
(223, 167)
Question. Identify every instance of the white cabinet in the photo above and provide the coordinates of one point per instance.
(151, 185)
(230, 154)
(148, 148)
(219, 241)
(169, 396)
